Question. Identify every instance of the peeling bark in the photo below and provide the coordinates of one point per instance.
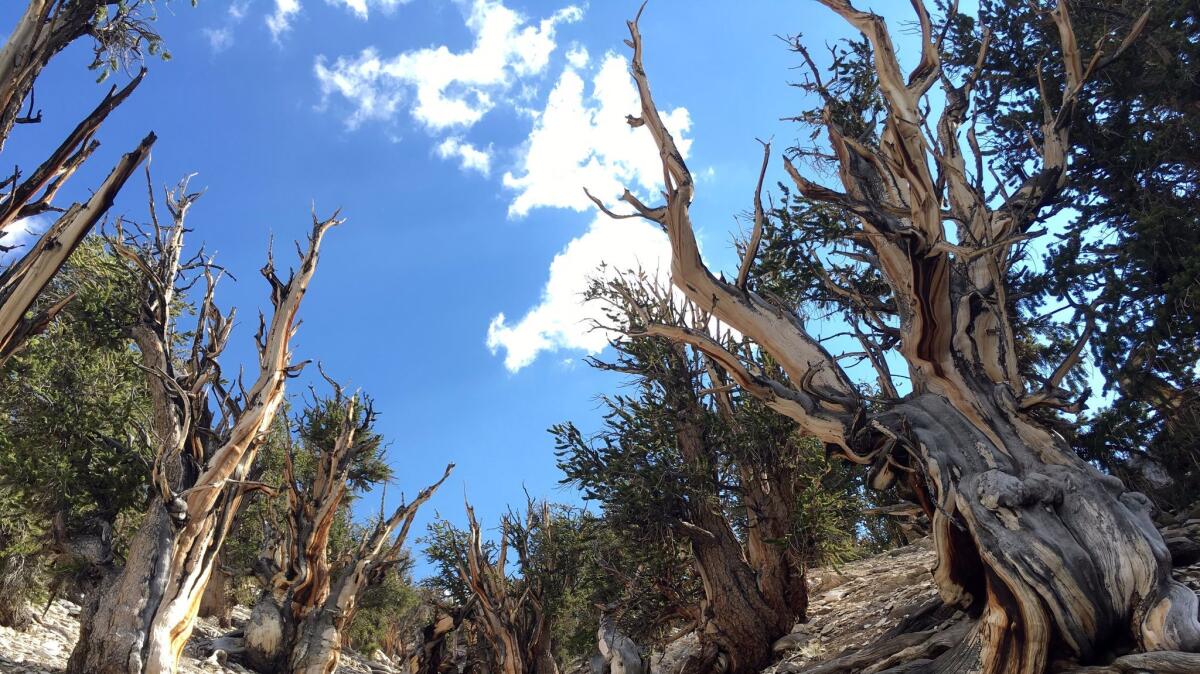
(23, 282)
(1050, 556)
(143, 615)
(297, 624)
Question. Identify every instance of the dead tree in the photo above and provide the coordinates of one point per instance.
(297, 624)
(432, 651)
(22, 282)
(1051, 557)
(140, 620)
(511, 613)
(45, 28)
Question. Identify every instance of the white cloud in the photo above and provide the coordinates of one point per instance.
(470, 158)
(280, 21)
(578, 56)
(582, 140)
(562, 320)
(19, 235)
(361, 8)
(452, 89)
(237, 10)
(219, 39)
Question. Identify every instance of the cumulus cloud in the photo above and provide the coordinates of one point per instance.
(280, 21)
(470, 158)
(450, 89)
(561, 319)
(361, 8)
(581, 140)
(578, 56)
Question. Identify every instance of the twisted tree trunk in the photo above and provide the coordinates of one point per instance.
(1054, 559)
(739, 620)
(297, 624)
(140, 620)
(511, 613)
(432, 652)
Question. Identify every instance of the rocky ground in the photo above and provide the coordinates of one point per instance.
(45, 647)
(854, 605)
(851, 606)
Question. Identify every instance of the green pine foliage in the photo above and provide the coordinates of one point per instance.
(73, 445)
(1125, 233)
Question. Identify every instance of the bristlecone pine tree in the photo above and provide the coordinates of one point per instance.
(143, 615)
(1133, 247)
(297, 625)
(1050, 558)
(512, 614)
(676, 454)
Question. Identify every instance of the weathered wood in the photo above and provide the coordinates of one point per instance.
(23, 282)
(44, 29)
(513, 623)
(297, 624)
(1044, 548)
(141, 618)
(1161, 662)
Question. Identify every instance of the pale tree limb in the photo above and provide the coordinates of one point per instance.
(21, 284)
(800, 356)
(756, 234)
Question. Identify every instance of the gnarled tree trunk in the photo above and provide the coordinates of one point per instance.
(297, 624)
(218, 600)
(739, 617)
(140, 620)
(1054, 559)
(432, 652)
(510, 615)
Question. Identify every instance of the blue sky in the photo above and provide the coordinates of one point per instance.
(456, 136)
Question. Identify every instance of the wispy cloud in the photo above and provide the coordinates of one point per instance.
(280, 20)
(581, 140)
(361, 8)
(470, 158)
(450, 89)
(221, 37)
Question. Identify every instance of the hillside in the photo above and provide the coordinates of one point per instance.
(853, 606)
